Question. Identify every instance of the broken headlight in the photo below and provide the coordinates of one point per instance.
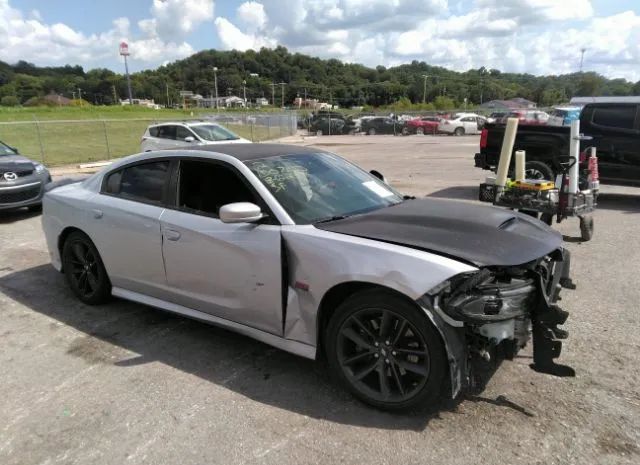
(485, 296)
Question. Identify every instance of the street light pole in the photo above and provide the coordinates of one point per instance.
(282, 84)
(424, 89)
(215, 83)
(244, 92)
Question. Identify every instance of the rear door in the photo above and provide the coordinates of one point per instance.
(614, 128)
(232, 271)
(125, 225)
(470, 125)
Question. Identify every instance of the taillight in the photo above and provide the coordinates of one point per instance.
(484, 135)
(594, 176)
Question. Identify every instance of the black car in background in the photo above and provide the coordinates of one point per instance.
(382, 125)
(331, 125)
(613, 129)
(22, 180)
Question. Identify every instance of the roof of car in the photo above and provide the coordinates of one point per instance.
(185, 123)
(246, 152)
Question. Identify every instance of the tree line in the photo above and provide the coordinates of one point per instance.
(278, 75)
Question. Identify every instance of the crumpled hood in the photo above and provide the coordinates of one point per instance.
(14, 163)
(478, 234)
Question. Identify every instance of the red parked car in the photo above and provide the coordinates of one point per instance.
(422, 125)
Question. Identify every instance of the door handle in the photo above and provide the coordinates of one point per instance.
(97, 214)
(171, 235)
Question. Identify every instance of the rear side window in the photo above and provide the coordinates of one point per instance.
(165, 132)
(619, 116)
(143, 182)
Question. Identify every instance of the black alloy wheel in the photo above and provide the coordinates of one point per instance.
(84, 270)
(385, 352)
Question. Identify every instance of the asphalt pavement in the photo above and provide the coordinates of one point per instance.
(125, 383)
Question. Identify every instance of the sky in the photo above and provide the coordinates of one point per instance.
(533, 36)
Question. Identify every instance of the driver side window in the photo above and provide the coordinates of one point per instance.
(204, 187)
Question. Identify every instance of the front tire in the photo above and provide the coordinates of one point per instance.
(84, 271)
(420, 131)
(372, 132)
(387, 353)
(459, 132)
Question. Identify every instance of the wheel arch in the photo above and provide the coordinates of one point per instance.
(62, 237)
(452, 338)
(337, 294)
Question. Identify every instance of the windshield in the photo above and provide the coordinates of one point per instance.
(321, 186)
(6, 150)
(213, 132)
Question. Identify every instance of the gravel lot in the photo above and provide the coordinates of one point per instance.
(125, 383)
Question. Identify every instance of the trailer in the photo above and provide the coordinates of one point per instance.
(573, 193)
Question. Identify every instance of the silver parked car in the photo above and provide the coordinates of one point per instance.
(177, 135)
(22, 181)
(300, 249)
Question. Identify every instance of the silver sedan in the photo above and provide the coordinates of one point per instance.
(300, 249)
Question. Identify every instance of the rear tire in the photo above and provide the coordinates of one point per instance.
(319, 132)
(538, 170)
(84, 271)
(420, 131)
(371, 132)
(459, 132)
(382, 349)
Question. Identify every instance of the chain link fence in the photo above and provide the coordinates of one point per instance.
(62, 142)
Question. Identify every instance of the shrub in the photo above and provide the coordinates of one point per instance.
(9, 101)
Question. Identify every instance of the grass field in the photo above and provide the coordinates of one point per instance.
(67, 135)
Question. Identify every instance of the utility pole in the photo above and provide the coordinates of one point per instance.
(215, 83)
(282, 84)
(80, 95)
(166, 86)
(582, 50)
(73, 92)
(424, 89)
(124, 51)
(115, 95)
(273, 94)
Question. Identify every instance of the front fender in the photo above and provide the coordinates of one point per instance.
(318, 260)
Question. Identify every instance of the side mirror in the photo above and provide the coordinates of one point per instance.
(189, 139)
(378, 175)
(240, 212)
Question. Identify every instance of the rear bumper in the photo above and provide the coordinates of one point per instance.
(21, 195)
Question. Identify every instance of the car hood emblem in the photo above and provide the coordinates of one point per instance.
(10, 176)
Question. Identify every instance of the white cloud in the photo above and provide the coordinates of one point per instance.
(175, 19)
(535, 36)
(30, 38)
(253, 16)
(233, 38)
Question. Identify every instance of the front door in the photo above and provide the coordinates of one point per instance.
(233, 271)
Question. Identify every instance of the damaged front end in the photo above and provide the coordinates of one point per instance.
(491, 314)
